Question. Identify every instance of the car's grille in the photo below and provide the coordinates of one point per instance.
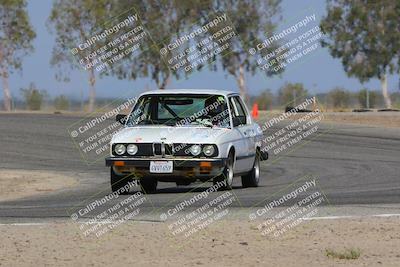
(144, 149)
(148, 149)
(155, 149)
(158, 149)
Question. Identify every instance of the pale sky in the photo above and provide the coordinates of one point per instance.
(318, 73)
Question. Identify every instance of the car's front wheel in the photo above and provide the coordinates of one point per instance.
(227, 176)
(118, 181)
(252, 178)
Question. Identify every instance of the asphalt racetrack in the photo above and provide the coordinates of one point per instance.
(354, 165)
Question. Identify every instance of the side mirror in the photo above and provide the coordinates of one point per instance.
(239, 121)
(121, 118)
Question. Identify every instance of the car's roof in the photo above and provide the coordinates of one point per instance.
(191, 91)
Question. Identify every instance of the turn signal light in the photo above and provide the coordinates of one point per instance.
(205, 164)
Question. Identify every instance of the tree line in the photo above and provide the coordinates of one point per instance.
(337, 99)
(37, 99)
(291, 94)
(364, 34)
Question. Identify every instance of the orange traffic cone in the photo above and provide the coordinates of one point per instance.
(254, 112)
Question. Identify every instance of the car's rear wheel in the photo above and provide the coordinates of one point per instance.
(148, 185)
(227, 175)
(118, 181)
(253, 177)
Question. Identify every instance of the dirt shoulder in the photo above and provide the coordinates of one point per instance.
(224, 243)
(16, 184)
(383, 119)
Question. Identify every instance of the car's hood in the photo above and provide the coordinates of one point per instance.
(151, 134)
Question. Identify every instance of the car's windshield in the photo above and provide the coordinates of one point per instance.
(180, 110)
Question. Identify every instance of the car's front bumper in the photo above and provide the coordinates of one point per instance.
(182, 168)
(145, 162)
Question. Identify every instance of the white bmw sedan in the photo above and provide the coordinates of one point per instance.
(182, 136)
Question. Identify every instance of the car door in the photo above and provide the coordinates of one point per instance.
(250, 132)
(242, 143)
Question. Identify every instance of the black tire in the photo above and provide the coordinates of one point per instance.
(227, 174)
(253, 177)
(148, 185)
(118, 181)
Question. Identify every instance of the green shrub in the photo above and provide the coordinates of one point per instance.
(292, 94)
(347, 254)
(264, 100)
(339, 98)
(61, 102)
(373, 98)
(33, 97)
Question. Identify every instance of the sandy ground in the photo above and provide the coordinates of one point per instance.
(22, 183)
(384, 119)
(224, 243)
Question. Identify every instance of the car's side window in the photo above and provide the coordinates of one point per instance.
(233, 108)
(140, 113)
(239, 115)
(239, 106)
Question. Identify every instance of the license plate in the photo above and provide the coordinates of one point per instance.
(161, 166)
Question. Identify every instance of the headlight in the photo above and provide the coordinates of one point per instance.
(120, 149)
(132, 149)
(195, 150)
(208, 150)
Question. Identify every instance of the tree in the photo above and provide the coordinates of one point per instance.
(265, 99)
(339, 97)
(372, 98)
(61, 102)
(365, 34)
(74, 22)
(33, 97)
(166, 21)
(292, 94)
(16, 35)
(252, 22)
(162, 19)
